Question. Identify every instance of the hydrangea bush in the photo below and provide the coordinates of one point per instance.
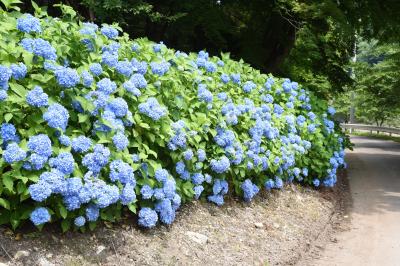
(93, 124)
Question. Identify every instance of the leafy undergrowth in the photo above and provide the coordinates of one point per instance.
(94, 124)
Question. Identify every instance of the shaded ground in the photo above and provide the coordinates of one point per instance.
(374, 235)
(275, 229)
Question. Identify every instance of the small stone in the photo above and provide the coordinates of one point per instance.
(100, 249)
(44, 262)
(3, 264)
(55, 239)
(49, 256)
(21, 253)
(259, 225)
(197, 237)
(276, 225)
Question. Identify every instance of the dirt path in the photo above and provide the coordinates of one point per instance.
(374, 235)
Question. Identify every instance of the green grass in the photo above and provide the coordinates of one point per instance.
(378, 136)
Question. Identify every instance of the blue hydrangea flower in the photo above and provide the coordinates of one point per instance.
(135, 47)
(197, 178)
(220, 187)
(269, 184)
(217, 199)
(107, 195)
(80, 221)
(220, 166)
(109, 59)
(40, 48)
(109, 32)
(5, 74)
(18, 71)
(3, 95)
(180, 167)
(331, 110)
(249, 86)
(278, 183)
(160, 68)
(118, 106)
(157, 47)
(96, 69)
(166, 211)
(72, 202)
(89, 29)
(203, 94)
(159, 193)
(128, 194)
(161, 175)
(249, 190)
(40, 216)
(152, 109)
(8, 133)
(125, 68)
(169, 188)
(146, 191)
(98, 159)
(210, 67)
(81, 144)
(208, 178)
(64, 163)
(92, 213)
(316, 182)
(87, 79)
(35, 162)
(197, 191)
(138, 81)
(120, 141)
(188, 155)
(64, 140)
(40, 191)
(40, 144)
(28, 23)
(135, 158)
(67, 77)
(311, 128)
(201, 155)
(225, 78)
(141, 67)
(57, 116)
(37, 97)
(106, 86)
(122, 172)
(147, 217)
(130, 87)
(235, 78)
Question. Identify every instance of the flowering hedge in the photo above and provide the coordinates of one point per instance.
(94, 124)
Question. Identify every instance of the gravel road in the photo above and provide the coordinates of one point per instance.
(374, 235)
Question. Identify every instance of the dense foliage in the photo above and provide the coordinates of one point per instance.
(308, 41)
(93, 123)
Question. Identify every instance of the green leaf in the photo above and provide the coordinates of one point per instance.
(8, 182)
(7, 117)
(63, 211)
(5, 203)
(65, 225)
(132, 207)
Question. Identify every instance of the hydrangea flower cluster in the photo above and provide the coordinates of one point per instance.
(133, 125)
(152, 109)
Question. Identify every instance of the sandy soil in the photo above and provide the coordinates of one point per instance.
(275, 229)
(374, 235)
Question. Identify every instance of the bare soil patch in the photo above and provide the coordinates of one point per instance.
(279, 228)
